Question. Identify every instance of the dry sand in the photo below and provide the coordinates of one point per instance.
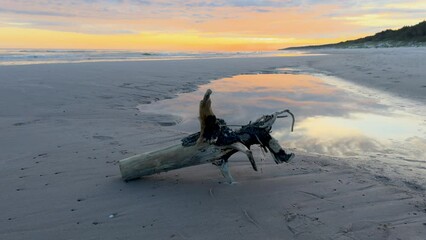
(64, 126)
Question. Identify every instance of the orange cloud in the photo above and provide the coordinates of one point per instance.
(164, 26)
(36, 38)
(292, 22)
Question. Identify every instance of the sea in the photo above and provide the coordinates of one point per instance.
(46, 56)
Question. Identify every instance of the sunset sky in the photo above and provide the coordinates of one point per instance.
(233, 25)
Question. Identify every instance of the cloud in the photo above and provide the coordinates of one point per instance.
(150, 8)
(262, 19)
(262, 10)
(36, 12)
(242, 3)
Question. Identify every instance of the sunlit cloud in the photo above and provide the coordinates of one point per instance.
(150, 41)
(233, 24)
(384, 20)
(398, 5)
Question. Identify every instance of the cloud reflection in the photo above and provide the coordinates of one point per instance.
(329, 120)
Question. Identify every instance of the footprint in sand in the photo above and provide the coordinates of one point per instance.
(297, 223)
(100, 137)
(25, 123)
(124, 152)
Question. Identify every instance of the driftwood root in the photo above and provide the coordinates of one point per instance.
(215, 143)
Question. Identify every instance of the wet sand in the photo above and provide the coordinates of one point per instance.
(64, 126)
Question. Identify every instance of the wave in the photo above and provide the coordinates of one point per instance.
(41, 56)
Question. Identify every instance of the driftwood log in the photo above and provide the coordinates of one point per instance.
(215, 143)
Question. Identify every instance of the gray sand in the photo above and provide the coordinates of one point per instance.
(64, 126)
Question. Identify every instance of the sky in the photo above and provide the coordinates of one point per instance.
(212, 25)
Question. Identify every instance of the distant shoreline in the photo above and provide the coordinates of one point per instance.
(355, 46)
(408, 36)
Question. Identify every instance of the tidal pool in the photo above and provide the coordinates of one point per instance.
(333, 117)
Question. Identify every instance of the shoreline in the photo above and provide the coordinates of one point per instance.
(159, 56)
(396, 71)
(347, 64)
(64, 127)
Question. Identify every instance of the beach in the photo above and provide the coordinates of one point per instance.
(64, 127)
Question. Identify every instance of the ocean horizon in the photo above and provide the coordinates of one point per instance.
(44, 56)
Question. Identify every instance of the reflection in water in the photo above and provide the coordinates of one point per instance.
(329, 119)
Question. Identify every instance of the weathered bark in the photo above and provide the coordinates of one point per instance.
(173, 157)
(215, 143)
